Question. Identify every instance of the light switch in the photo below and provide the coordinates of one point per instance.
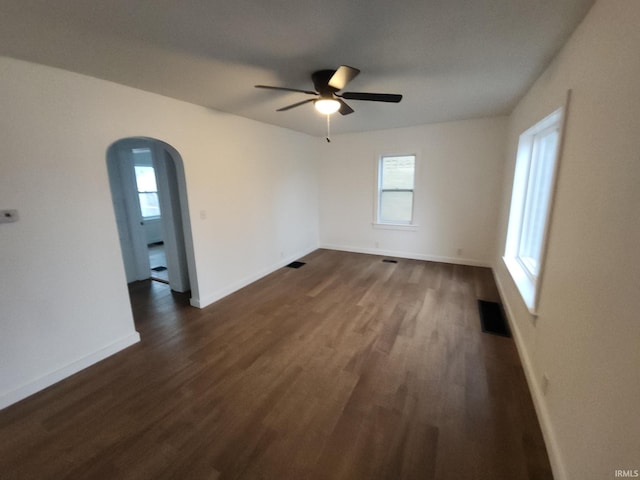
(8, 216)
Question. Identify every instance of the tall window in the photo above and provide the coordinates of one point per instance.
(396, 180)
(146, 184)
(533, 185)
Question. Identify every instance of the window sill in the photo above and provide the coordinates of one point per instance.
(526, 286)
(396, 226)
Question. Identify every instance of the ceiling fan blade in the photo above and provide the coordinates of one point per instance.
(372, 97)
(285, 89)
(343, 75)
(295, 105)
(344, 108)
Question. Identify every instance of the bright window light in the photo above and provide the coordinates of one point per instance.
(531, 202)
(396, 180)
(146, 184)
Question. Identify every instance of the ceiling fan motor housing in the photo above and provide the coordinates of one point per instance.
(320, 81)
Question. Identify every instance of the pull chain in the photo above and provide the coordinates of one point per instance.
(328, 129)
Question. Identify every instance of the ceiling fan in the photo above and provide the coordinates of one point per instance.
(327, 84)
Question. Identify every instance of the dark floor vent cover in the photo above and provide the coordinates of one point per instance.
(492, 319)
(159, 269)
(296, 264)
(388, 260)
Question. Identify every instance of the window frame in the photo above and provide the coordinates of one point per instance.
(396, 225)
(145, 164)
(526, 279)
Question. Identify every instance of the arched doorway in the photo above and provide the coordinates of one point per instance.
(148, 189)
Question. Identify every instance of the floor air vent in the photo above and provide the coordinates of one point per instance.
(296, 264)
(388, 260)
(492, 319)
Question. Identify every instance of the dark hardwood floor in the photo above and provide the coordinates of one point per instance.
(347, 368)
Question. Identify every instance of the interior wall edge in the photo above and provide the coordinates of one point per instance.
(38, 384)
(548, 433)
(409, 255)
(203, 302)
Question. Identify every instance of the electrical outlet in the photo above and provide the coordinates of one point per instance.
(459, 252)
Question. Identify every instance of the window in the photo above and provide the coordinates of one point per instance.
(531, 201)
(146, 183)
(396, 179)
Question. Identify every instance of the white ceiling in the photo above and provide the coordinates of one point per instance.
(451, 59)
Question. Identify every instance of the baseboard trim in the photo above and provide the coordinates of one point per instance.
(49, 379)
(553, 450)
(203, 302)
(410, 255)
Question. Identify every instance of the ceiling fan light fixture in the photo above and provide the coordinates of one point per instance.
(327, 106)
(327, 84)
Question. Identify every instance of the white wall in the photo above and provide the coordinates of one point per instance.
(457, 194)
(63, 295)
(587, 335)
(153, 230)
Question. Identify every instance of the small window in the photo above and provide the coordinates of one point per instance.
(396, 180)
(531, 201)
(146, 183)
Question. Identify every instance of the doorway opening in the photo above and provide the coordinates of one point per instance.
(148, 190)
(150, 211)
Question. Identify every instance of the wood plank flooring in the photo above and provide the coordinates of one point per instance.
(347, 368)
